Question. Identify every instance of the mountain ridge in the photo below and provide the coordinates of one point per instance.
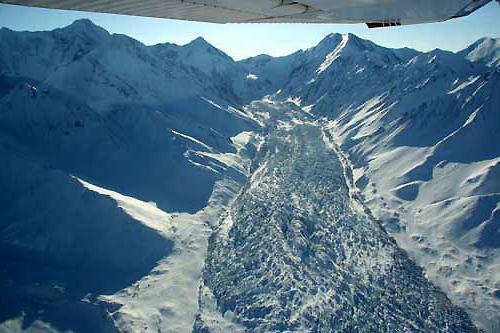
(484, 50)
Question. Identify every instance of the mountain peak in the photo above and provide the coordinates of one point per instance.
(330, 39)
(488, 40)
(345, 41)
(86, 28)
(351, 36)
(333, 35)
(199, 42)
(359, 44)
(200, 45)
(83, 23)
(337, 37)
(485, 50)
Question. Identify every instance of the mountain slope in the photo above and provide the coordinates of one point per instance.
(88, 119)
(421, 137)
(485, 50)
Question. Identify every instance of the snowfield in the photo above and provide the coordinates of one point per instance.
(346, 187)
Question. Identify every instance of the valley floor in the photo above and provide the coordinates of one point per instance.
(295, 253)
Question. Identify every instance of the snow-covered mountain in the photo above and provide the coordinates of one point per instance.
(90, 119)
(128, 167)
(298, 70)
(420, 132)
(84, 60)
(485, 50)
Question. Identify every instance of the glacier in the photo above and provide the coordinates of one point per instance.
(346, 187)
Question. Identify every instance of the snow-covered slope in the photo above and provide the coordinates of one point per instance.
(271, 71)
(485, 50)
(119, 160)
(101, 139)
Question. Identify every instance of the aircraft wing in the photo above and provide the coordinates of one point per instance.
(376, 13)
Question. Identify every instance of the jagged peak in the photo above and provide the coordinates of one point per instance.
(485, 50)
(85, 27)
(83, 23)
(486, 39)
(351, 36)
(482, 42)
(444, 60)
(358, 43)
(347, 41)
(331, 36)
(337, 37)
(330, 40)
(200, 43)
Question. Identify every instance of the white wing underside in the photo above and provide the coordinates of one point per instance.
(378, 12)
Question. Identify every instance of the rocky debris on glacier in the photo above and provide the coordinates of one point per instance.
(293, 254)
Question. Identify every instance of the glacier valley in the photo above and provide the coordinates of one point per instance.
(343, 188)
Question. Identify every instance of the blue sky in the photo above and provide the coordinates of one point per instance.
(244, 40)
